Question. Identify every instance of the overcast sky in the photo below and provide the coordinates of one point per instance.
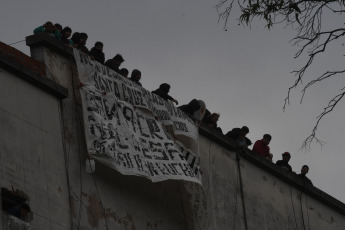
(242, 73)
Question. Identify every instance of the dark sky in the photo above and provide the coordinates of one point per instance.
(242, 73)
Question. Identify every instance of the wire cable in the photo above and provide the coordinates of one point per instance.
(16, 42)
(79, 147)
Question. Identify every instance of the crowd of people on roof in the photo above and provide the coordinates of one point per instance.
(195, 108)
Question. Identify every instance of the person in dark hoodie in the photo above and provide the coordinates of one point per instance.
(302, 175)
(239, 136)
(96, 53)
(79, 42)
(115, 63)
(211, 120)
(285, 162)
(124, 72)
(163, 91)
(136, 76)
(195, 108)
(65, 34)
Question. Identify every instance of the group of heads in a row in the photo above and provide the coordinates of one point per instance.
(78, 40)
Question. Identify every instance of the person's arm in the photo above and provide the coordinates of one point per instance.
(39, 29)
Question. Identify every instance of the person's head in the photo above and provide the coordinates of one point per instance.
(244, 131)
(136, 75)
(305, 169)
(23, 211)
(124, 72)
(200, 113)
(118, 59)
(49, 27)
(214, 117)
(286, 156)
(58, 27)
(165, 87)
(83, 38)
(267, 139)
(75, 37)
(99, 46)
(66, 32)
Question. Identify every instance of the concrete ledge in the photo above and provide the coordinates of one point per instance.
(55, 45)
(33, 77)
(270, 167)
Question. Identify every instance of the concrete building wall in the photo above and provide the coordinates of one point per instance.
(273, 198)
(42, 152)
(31, 149)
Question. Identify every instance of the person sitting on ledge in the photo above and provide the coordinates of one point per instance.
(302, 175)
(65, 34)
(124, 72)
(115, 63)
(195, 108)
(48, 28)
(261, 147)
(211, 120)
(58, 27)
(285, 162)
(136, 76)
(163, 91)
(96, 52)
(239, 136)
(79, 42)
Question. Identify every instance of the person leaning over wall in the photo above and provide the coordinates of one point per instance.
(284, 163)
(261, 147)
(163, 91)
(115, 62)
(211, 120)
(48, 28)
(96, 52)
(65, 34)
(239, 136)
(302, 175)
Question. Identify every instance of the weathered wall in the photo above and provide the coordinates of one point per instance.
(35, 159)
(31, 149)
(273, 198)
(129, 202)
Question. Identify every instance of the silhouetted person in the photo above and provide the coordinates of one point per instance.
(48, 28)
(65, 34)
(261, 147)
(302, 175)
(79, 42)
(96, 53)
(163, 91)
(239, 136)
(115, 63)
(284, 163)
(124, 72)
(211, 119)
(195, 108)
(58, 27)
(136, 76)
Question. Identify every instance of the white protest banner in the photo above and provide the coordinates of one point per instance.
(124, 126)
